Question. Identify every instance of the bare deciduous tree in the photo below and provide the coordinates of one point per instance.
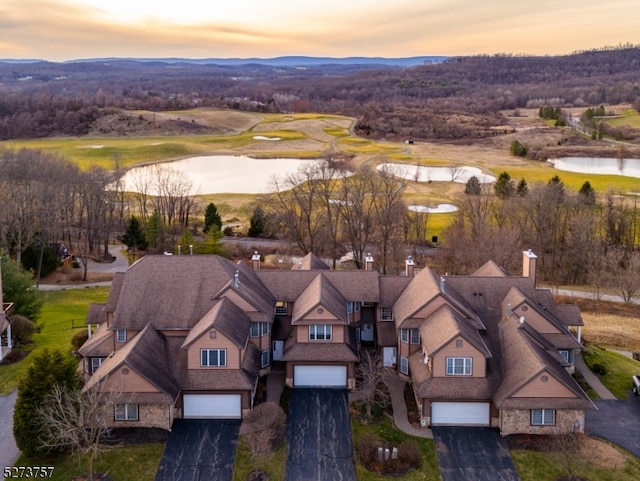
(371, 377)
(264, 427)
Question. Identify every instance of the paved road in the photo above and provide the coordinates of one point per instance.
(200, 450)
(319, 440)
(8, 450)
(473, 454)
(617, 421)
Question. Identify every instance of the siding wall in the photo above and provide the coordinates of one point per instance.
(220, 342)
(479, 366)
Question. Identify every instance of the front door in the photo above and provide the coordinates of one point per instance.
(278, 350)
(388, 356)
(367, 333)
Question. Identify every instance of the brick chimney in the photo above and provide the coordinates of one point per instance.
(368, 262)
(255, 261)
(529, 265)
(409, 267)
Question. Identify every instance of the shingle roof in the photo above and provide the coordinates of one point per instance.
(97, 314)
(387, 333)
(391, 287)
(490, 269)
(320, 292)
(174, 292)
(443, 326)
(114, 292)
(310, 262)
(146, 354)
(225, 317)
(422, 288)
(100, 344)
(524, 360)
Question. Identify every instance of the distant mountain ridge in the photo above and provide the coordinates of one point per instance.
(286, 61)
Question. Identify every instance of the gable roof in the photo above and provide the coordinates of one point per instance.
(490, 269)
(322, 292)
(100, 344)
(310, 262)
(443, 326)
(146, 354)
(97, 314)
(523, 361)
(422, 288)
(225, 317)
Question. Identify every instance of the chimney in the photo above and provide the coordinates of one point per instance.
(409, 267)
(368, 262)
(255, 261)
(529, 265)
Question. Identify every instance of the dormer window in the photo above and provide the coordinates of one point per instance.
(121, 335)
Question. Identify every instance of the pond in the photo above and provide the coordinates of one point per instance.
(215, 174)
(599, 165)
(441, 209)
(421, 173)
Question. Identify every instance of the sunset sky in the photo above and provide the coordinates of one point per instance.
(72, 29)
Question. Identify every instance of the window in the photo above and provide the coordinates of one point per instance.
(265, 328)
(255, 329)
(415, 336)
(567, 356)
(320, 332)
(264, 360)
(404, 335)
(96, 362)
(386, 314)
(126, 412)
(356, 306)
(281, 308)
(459, 366)
(349, 307)
(213, 357)
(121, 335)
(543, 417)
(404, 365)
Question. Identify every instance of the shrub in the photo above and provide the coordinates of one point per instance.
(22, 329)
(408, 459)
(599, 368)
(79, 338)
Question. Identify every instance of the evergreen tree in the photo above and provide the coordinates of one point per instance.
(519, 149)
(17, 286)
(523, 188)
(473, 187)
(134, 237)
(185, 240)
(212, 243)
(257, 222)
(155, 230)
(211, 218)
(504, 186)
(49, 369)
(586, 194)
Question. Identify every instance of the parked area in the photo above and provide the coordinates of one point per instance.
(200, 450)
(473, 454)
(319, 441)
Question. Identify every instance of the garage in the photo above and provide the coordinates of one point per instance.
(460, 414)
(213, 406)
(320, 376)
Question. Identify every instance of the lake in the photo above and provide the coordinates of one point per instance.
(215, 174)
(599, 165)
(421, 173)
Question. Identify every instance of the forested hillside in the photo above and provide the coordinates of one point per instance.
(460, 98)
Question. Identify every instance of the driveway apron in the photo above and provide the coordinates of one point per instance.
(473, 454)
(319, 440)
(200, 450)
(9, 452)
(618, 422)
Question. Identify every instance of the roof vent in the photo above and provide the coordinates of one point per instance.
(442, 282)
(521, 320)
(236, 279)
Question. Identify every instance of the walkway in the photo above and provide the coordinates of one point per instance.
(9, 452)
(592, 379)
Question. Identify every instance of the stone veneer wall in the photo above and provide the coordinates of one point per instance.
(150, 416)
(518, 421)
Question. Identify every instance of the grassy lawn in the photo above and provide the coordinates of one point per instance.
(61, 317)
(122, 463)
(273, 465)
(429, 470)
(619, 369)
(629, 117)
(596, 461)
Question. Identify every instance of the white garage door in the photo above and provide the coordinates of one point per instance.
(320, 376)
(459, 414)
(212, 406)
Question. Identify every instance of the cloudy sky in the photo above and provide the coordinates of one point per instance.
(72, 29)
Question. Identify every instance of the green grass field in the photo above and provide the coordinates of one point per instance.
(629, 117)
(619, 368)
(62, 315)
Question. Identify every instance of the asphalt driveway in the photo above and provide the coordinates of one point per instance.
(473, 454)
(618, 422)
(9, 452)
(319, 440)
(200, 450)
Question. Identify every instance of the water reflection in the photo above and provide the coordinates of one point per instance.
(598, 165)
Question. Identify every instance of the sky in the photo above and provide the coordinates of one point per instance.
(60, 30)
